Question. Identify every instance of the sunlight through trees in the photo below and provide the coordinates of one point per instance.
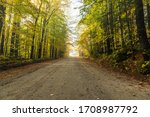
(32, 29)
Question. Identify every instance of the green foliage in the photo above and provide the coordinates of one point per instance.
(121, 55)
(111, 28)
(33, 29)
(145, 67)
(3, 58)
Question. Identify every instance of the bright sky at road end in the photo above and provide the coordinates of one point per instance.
(73, 13)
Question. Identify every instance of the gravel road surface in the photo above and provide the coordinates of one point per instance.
(72, 78)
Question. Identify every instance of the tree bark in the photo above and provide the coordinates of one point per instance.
(121, 25)
(2, 17)
(148, 15)
(32, 54)
(141, 29)
(15, 40)
(42, 39)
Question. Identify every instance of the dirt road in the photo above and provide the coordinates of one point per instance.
(72, 78)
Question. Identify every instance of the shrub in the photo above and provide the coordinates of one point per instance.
(3, 58)
(145, 67)
(121, 55)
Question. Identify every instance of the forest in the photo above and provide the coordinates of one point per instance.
(32, 30)
(114, 31)
(75, 50)
(117, 31)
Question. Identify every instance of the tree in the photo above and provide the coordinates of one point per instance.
(117, 24)
(148, 15)
(26, 28)
(2, 22)
(141, 29)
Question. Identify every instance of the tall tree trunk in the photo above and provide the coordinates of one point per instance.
(33, 39)
(7, 47)
(141, 29)
(42, 39)
(2, 42)
(32, 54)
(12, 45)
(45, 47)
(111, 22)
(32, 47)
(15, 40)
(2, 17)
(52, 49)
(128, 24)
(148, 15)
(121, 25)
(17, 43)
(108, 29)
(56, 56)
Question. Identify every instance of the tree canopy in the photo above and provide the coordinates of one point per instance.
(33, 29)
